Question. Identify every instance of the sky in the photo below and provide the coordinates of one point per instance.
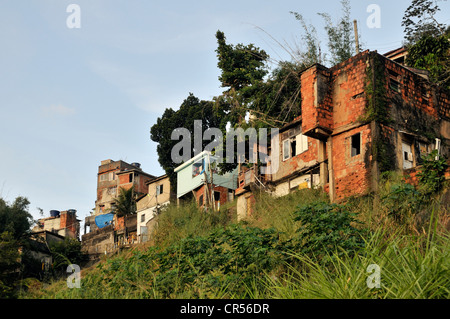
(72, 97)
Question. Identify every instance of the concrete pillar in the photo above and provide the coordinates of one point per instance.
(323, 177)
(332, 190)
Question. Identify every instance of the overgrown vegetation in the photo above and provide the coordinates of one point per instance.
(300, 245)
(427, 41)
(297, 246)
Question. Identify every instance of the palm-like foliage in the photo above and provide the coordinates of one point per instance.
(125, 203)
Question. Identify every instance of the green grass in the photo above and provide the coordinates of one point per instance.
(406, 272)
(209, 255)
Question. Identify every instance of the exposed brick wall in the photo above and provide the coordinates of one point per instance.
(348, 90)
(119, 223)
(316, 100)
(443, 102)
(206, 193)
(413, 88)
(68, 221)
(351, 174)
(410, 175)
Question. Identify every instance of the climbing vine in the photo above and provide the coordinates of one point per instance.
(377, 103)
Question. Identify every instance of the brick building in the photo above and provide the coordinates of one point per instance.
(361, 117)
(106, 230)
(62, 223)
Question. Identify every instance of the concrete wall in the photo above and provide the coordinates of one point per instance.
(245, 204)
(98, 242)
(298, 162)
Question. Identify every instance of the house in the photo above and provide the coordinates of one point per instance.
(107, 231)
(64, 223)
(149, 206)
(38, 247)
(113, 175)
(199, 178)
(361, 117)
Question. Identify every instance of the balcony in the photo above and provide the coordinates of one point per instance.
(247, 178)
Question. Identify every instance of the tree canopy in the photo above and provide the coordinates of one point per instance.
(427, 41)
(210, 113)
(125, 204)
(272, 97)
(15, 218)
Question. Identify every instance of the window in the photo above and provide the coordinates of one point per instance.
(425, 94)
(198, 168)
(107, 177)
(216, 196)
(407, 155)
(394, 83)
(142, 218)
(159, 190)
(438, 148)
(356, 144)
(286, 150)
(302, 144)
(130, 178)
(200, 200)
(294, 146)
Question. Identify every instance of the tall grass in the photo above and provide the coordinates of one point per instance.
(406, 271)
(176, 223)
(197, 254)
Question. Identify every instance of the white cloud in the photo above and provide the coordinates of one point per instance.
(58, 109)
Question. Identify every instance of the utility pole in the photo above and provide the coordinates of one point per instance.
(355, 27)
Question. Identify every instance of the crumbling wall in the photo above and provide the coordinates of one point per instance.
(351, 174)
(98, 241)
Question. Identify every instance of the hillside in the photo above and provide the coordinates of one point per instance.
(297, 246)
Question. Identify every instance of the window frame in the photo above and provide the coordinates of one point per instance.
(352, 144)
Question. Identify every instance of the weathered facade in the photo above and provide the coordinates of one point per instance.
(64, 223)
(366, 115)
(149, 206)
(113, 175)
(107, 231)
(198, 178)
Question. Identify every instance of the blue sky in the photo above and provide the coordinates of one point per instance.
(70, 98)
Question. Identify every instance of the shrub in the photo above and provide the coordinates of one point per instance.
(432, 177)
(327, 228)
(402, 202)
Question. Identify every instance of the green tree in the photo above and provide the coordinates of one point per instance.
(419, 20)
(15, 217)
(212, 114)
(427, 41)
(65, 253)
(341, 39)
(9, 263)
(313, 52)
(242, 67)
(432, 53)
(125, 203)
(432, 174)
(278, 99)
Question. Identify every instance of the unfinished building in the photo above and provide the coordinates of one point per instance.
(106, 230)
(362, 117)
